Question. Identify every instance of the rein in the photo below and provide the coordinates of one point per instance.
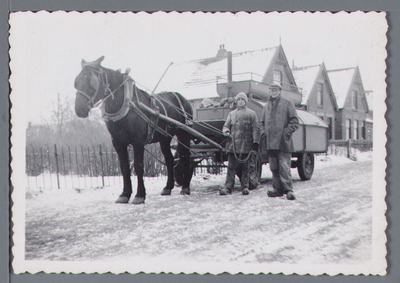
(107, 87)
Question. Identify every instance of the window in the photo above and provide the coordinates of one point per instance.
(354, 98)
(330, 128)
(348, 129)
(320, 94)
(277, 77)
(363, 130)
(355, 129)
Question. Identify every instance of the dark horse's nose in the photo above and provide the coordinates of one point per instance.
(81, 108)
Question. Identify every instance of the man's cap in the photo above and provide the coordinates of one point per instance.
(275, 85)
(241, 95)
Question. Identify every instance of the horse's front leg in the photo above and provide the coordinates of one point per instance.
(138, 153)
(122, 151)
(169, 161)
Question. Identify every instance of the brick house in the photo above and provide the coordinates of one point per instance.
(351, 117)
(317, 94)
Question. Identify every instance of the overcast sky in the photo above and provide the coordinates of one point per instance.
(47, 49)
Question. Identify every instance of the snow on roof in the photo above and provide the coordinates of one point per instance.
(198, 78)
(341, 80)
(305, 78)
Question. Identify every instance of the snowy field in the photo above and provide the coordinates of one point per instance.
(329, 223)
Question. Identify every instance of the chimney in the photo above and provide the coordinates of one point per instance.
(221, 54)
(229, 83)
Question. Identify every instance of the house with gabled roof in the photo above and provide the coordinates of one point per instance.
(353, 107)
(228, 73)
(317, 94)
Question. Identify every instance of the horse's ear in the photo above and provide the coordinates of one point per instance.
(98, 61)
(95, 64)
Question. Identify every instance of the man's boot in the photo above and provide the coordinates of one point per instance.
(290, 195)
(274, 193)
(225, 191)
(245, 191)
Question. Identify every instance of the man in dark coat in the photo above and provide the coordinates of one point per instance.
(242, 127)
(279, 121)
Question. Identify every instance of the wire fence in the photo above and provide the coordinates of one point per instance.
(63, 166)
(83, 166)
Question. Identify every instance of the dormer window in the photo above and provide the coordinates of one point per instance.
(278, 77)
(320, 94)
(354, 99)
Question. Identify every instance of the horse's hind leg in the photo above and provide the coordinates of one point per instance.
(122, 151)
(169, 160)
(184, 157)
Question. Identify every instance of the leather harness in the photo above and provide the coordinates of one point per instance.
(129, 90)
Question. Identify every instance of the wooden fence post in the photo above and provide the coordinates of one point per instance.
(57, 169)
(348, 148)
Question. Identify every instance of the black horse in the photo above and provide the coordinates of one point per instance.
(128, 124)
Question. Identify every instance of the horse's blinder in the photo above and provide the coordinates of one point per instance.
(94, 82)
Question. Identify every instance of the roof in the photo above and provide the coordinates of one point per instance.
(305, 78)
(305, 118)
(341, 80)
(197, 78)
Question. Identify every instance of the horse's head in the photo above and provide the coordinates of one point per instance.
(90, 87)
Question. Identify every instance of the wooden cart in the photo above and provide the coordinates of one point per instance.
(310, 138)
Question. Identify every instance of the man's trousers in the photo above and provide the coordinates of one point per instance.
(235, 166)
(280, 164)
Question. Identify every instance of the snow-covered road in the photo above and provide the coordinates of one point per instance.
(330, 222)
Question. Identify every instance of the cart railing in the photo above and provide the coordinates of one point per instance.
(250, 76)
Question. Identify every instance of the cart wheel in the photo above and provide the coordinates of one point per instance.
(178, 175)
(305, 166)
(255, 170)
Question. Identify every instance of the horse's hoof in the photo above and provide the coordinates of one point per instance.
(166, 192)
(138, 200)
(122, 199)
(185, 191)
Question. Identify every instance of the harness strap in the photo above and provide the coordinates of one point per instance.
(187, 120)
(150, 122)
(154, 119)
(162, 104)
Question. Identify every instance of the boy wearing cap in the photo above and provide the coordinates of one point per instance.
(279, 121)
(242, 127)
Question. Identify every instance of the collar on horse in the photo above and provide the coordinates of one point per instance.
(128, 94)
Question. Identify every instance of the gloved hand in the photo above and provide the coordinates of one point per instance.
(255, 147)
(227, 135)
